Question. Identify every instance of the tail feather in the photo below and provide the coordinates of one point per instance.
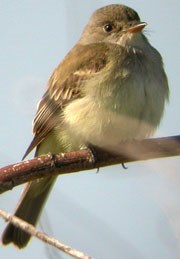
(29, 209)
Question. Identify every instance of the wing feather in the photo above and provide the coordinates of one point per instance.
(65, 85)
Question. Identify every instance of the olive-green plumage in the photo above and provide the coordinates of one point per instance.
(109, 88)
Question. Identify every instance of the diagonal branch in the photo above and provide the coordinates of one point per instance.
(63, 163)
(42, 236)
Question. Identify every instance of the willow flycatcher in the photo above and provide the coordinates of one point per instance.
(110, 87)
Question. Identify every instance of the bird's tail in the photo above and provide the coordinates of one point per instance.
(29, 209)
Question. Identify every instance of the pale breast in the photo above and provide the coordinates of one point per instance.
(119, 105)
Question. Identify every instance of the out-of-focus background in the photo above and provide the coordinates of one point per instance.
(114, 214)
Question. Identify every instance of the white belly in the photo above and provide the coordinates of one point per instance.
(85, 122)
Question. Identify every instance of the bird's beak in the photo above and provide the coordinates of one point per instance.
(135, 27)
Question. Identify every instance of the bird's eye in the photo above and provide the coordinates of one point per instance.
(108, 27)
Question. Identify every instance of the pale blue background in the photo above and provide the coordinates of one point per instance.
(133, 214)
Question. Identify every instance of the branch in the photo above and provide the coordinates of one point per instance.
(63, 163)
(30, 229)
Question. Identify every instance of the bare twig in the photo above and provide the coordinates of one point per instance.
(48, 165)
(40, 235)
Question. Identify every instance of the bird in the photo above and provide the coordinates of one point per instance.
(111, 87)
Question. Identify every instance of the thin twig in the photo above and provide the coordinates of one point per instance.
(30, 229)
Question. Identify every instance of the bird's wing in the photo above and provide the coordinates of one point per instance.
(65, 85)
